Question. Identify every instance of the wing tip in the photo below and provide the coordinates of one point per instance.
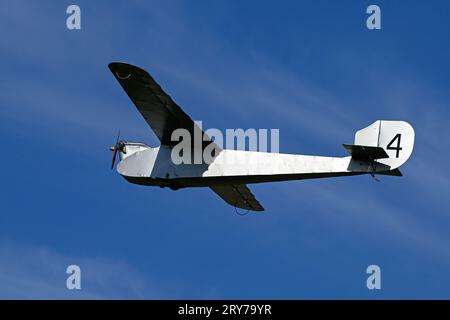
(117, 66)
(259, 207)
(250, 206)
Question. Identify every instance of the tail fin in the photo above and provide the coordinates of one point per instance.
(395, 137)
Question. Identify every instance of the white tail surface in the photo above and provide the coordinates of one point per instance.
(395, 137)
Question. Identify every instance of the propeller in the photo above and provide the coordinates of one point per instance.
(118, 146)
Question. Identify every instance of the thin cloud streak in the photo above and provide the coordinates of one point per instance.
(33, 272)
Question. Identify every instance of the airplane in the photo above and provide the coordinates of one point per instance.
(379, 149)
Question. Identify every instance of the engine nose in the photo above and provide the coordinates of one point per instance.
(137, 163)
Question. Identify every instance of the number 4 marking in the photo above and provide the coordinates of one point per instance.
(397, 137)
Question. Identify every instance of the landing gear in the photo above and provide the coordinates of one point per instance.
(373, 165)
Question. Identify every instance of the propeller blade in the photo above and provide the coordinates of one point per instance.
(118, 137)
(114, 156)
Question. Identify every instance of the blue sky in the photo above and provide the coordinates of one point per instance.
(310, 68)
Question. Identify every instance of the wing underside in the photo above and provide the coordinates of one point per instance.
(161, 113)
(238, 196)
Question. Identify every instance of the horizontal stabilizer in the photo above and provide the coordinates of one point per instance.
(394, 172)
(365, 153)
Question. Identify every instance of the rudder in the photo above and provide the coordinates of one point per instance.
(395, 137)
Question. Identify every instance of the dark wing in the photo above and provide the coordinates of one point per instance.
(159, 110)
(238, 196)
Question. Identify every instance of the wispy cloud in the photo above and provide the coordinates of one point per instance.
(39, 272)
(375, 217)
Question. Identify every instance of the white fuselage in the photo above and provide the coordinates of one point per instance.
(153, 166)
